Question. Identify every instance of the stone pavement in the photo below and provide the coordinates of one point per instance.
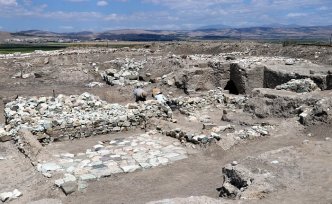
(121, 155)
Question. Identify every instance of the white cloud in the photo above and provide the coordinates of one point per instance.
(70, 15)
(102, 3)
(113, 17)
(177, 14)
(8, 3)
(67, 27)
(296, 14)
(323, 8)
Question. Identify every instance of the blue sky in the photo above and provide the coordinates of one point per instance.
(102, 15)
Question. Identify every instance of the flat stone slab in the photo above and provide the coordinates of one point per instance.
(87, 177)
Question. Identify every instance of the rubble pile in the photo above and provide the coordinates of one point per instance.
(256, 176)
(68, 117)
(188, 105)
(128, 73)
(321, 112)
(299, 86)
(252, 132)
(94, 84)
(194, 138)
(219, 133)
(241, 183)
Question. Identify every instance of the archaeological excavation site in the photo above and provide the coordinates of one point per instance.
(167, 123)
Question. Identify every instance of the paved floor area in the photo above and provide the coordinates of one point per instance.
(121, 155)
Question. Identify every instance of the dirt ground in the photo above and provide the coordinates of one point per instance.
(198, 175)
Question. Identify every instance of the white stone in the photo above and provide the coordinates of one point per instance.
(59, 182)
(16, 193)
(69, 177)
(5, 196)
(70, 169)
(50, 167)
(68, 155)
(234, 163)
(129, 168)
(87, 177)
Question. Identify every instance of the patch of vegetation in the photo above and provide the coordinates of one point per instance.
(304, 42)
(27, 48)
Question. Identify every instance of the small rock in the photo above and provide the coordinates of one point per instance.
(69, 187)
(174, 121)
(48, 175)
(10, 195)
(49, 167)
(234, 163)
(59, 182)
(69, 177)
(5, 138)
(16, 193)
(208, 126)
(25, 76)
(305, 141)
(275, 162)
(68, 155)
(87, 177)
(327, 138)
(130, 168)
(289, 62)
(177, 130)
(5, 196)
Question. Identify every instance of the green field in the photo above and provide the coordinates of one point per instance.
(27, 48)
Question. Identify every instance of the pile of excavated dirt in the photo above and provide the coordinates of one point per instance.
(238, 122)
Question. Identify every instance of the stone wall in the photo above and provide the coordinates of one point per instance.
(246, 78)
(69, 117)
(247, 74)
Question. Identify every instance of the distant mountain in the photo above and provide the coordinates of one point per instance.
(140, 35)
(278, 25)
(211, 32)
(36, 33)
(213, 27)
(79, 33)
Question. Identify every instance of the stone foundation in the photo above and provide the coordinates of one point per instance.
(69, 117)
